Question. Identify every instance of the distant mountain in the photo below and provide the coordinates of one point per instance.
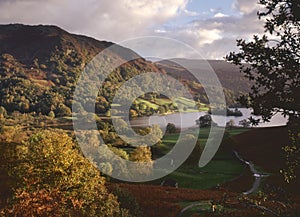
(232, 80)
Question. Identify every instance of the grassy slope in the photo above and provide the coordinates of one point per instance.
(187, 103)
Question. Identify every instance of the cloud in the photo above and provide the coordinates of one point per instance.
(105, 19)
(220, 15)
(200, 36)
(119, 20)
(245, 6)
(215, 37)
(190, 13)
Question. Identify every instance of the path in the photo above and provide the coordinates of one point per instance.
(258, 176)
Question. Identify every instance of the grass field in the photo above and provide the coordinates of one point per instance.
(148, 103)
(188, 105)
(221, 169)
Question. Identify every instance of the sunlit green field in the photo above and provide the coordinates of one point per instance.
(223, 167)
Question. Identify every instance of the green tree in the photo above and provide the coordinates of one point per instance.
(272, 63)
(205, 121)
(127, 201)
(161, 109)
(171, 128)
(195, 155)
(245, 123)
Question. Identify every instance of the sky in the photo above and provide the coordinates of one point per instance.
(209, 26)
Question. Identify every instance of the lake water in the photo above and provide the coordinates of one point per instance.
(187, 120)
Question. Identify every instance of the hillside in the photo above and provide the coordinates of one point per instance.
(233, 82)
(263, 147)
(39, 67)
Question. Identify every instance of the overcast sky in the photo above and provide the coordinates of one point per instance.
(210, 26)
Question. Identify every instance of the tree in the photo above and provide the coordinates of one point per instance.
(142, 154)
(63, 110)
(273, 66)
(51, 114)
(3, 112)
(171, 128)
(54, 178)
(133, 113)
(154, 136)
(245, 123)
(205, 121)
(230, 123)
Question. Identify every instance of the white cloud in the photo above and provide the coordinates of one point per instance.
(160, 31)
(220, 15)
(155, 8)
(118, 20)
(190, 13)
(216, 37)
(104, 19)
(245, 6)
(201, 36)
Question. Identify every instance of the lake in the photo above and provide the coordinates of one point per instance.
(187, 120)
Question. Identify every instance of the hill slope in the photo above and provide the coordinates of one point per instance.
(39, 67)
(263, 147)
(233, 82)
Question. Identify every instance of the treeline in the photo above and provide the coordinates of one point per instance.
(48, 88)
(228, 112)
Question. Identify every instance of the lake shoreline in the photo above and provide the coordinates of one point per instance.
(185, 120)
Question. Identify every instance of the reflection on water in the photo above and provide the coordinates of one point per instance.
(187, 120)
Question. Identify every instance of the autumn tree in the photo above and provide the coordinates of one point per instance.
(142, 154)
(54, 179)
(3, 112)
(272, 62)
